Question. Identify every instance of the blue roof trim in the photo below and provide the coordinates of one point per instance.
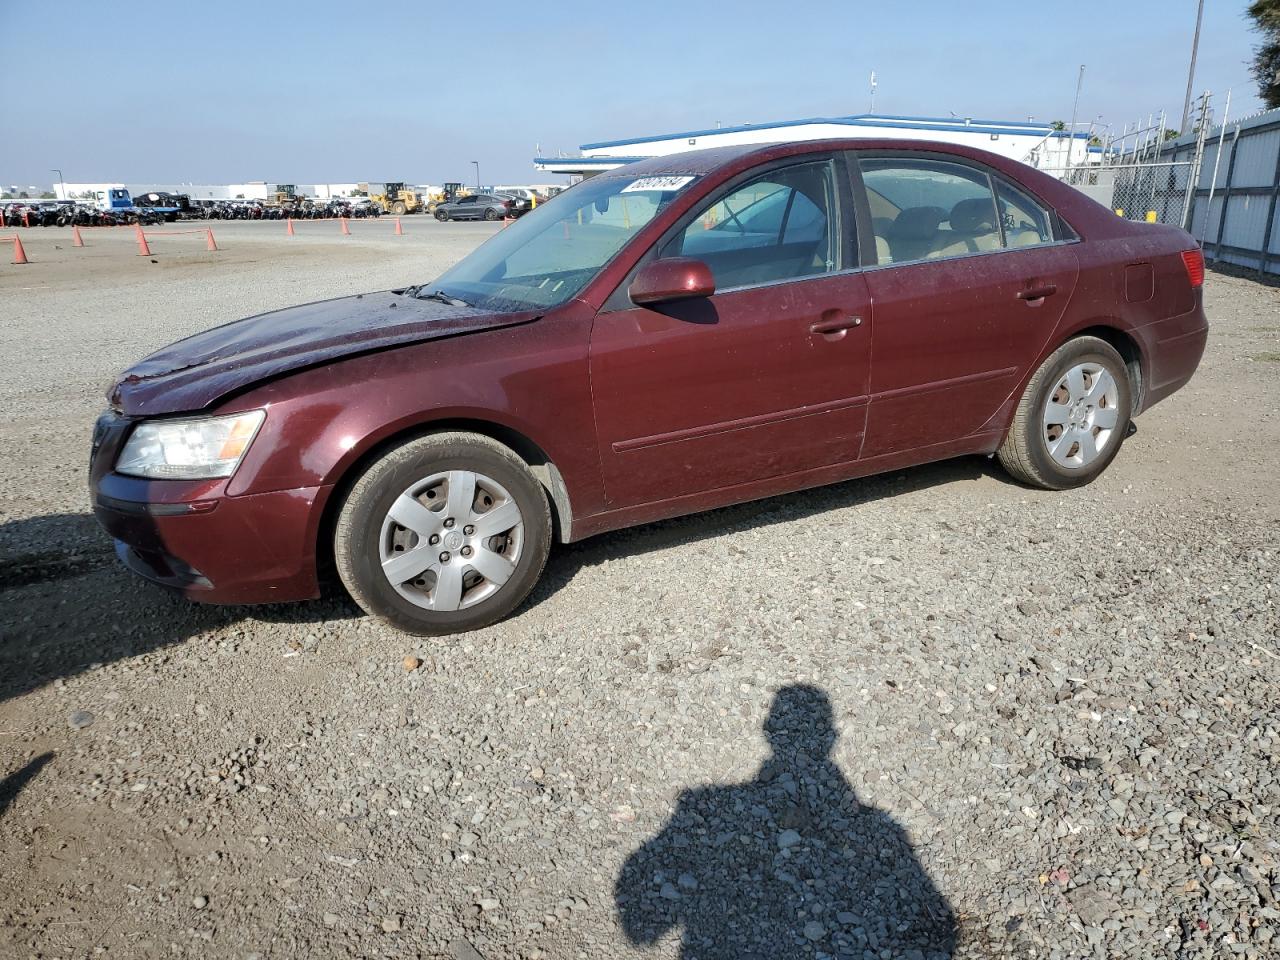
(956, 121)
(1012, 128)
(588, 161)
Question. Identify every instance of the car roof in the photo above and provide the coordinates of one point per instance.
(730, 160)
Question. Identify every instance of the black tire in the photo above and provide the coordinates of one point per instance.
(358, 530)
(491, 214)
(1025, 451)
(442, 215)
(398, 208)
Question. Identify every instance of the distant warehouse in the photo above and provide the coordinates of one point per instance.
(1037, 144)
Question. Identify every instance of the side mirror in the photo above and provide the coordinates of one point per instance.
(679, 278)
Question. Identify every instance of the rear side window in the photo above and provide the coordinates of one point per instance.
(929, 209)
(1025, 222)
(782, 225)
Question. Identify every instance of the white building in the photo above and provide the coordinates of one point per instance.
(1037, 144)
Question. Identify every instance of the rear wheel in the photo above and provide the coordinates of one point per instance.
(398, 208)
(444, 534)
(1072, 418)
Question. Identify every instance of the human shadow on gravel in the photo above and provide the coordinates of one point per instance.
(67, 603)
(789, 864)
(12, 785)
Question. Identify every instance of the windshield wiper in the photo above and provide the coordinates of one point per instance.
(442, 297)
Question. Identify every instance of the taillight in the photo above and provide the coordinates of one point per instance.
(1193, 260)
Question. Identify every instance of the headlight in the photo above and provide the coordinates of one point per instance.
(189, 449)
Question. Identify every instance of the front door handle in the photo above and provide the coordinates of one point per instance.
(837, 325)
(1038, 292)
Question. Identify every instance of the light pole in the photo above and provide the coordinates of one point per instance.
(1075, 108)
(1191, 70)
(60, 182)
(476, 163)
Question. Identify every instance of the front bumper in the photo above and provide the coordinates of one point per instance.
(190, 536)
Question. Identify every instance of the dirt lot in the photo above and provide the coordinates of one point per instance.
(929, 714)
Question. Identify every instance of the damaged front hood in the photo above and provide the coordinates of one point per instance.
(193, 373)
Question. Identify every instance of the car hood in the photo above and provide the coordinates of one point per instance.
(195, 372)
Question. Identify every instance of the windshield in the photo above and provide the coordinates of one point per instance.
(547, 256)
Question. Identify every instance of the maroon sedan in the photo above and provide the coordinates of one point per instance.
(677, 334)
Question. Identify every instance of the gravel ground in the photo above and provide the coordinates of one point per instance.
(929, 714)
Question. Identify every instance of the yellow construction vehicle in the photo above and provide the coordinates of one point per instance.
(394, 198)
(447, 193)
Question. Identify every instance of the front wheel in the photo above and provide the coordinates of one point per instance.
(442, 215)
(444, 534)
(1072, 418)
(491, 214)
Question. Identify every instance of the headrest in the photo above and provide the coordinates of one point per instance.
(973, 216)
(917, 223)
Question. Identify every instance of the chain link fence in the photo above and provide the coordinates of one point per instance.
(1154, 191)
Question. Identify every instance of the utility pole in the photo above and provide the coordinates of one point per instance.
(1075, 109)
(60, 181)
(477, 165)
(873, 92)
(1191, 71)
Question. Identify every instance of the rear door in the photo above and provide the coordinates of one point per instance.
(767, 377)
(972, 277)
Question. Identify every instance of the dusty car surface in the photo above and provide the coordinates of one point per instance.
(675, 335)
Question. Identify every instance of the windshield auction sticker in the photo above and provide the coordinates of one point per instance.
(665, 184)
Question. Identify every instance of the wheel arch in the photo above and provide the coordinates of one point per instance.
(539, 463)
(1113, 333)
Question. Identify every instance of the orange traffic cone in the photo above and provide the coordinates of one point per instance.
(289, 232)
(76, 239)
(399, 229)
(2, 224)
(345, 232)
(209, 244)
(19, 255)
(137, 231)
(26, 220)
(143, 249)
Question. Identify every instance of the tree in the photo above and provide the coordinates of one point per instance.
(48, 195)
(1266, 57)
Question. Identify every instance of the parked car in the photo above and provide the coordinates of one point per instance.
(478, 206)
(675, 335)
(520, 205)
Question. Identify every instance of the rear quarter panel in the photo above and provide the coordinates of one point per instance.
(1134, 280)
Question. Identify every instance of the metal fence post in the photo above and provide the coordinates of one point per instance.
(1226, 195)
(1213, 179)
(1193, 177)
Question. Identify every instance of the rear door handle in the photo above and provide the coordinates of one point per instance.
(1039, 292)
(838, 325)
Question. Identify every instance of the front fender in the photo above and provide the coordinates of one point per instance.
(532, 380)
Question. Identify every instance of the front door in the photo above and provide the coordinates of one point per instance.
(972, 281)
(767, 377)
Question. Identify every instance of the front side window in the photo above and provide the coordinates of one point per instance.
(546, 257)
(929, 209)
(780, 226)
